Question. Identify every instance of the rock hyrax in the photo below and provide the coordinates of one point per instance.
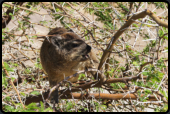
(64, 54)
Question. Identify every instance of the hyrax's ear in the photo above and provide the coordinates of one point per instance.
(57, 41)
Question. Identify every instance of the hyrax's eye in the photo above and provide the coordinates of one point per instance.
(74, 45)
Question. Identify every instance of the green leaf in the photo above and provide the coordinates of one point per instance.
(8, 68)
(48, 110)
(103, 107)
(6, 5)
(148, 91)
(27, 71)
(135, 25)
(35, 93)
(135, 63)
(15, 64)
(145, 73)
(8, 98)
(81, 76)
(23, 94)
(42, 106)
(10, 14)
(38, 65)
(164, 94)
(8, 108)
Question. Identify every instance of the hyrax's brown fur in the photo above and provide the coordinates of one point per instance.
(64, 54)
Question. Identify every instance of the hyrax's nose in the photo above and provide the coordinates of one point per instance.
(88, 48)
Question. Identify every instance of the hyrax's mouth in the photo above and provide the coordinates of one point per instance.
(85, 57)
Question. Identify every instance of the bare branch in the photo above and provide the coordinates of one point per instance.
(12, 84)
(124, 27)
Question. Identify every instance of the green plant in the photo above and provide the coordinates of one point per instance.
(29, 108)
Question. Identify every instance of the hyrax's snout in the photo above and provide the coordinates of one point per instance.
(88, 48)
(85, 55)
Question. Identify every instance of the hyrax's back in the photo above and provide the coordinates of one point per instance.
(64, 54)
